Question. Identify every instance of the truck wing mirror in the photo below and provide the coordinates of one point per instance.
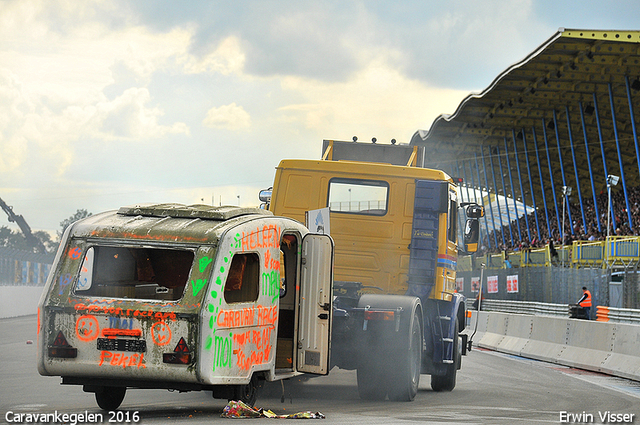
(265, 195)
(265, 198)
(473, 210)
(471, 233)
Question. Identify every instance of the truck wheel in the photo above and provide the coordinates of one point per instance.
(447, 382)
(371, 383)
(248, 393)
(405, 376)
(110, 398)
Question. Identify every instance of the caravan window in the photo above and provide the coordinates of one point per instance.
(131, 272)
(243, 279)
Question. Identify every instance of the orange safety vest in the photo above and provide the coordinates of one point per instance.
(587, 301)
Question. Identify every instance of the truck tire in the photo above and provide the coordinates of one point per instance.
(110, 398)
(447, 382)
(372, 379)
(403, 382)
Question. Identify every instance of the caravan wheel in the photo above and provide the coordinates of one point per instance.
(110, 398)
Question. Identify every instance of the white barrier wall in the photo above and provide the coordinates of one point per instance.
(612, 348)
(19, 300)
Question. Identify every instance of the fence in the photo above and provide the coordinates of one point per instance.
(609, 269)
(23, 267)
(553, 284)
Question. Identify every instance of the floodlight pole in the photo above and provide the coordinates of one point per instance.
(608, 207)
(611, 181)
(564, 201)
(566, 191)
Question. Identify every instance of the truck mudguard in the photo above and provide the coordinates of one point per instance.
(442, 316)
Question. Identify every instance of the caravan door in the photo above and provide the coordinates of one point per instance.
(315, 304)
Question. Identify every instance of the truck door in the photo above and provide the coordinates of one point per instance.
(431, 200)
(315, 305)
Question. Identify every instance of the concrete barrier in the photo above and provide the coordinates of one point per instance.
(624, 360)
(518, 334)
(611, 348)
(548, 339)
(19, 300)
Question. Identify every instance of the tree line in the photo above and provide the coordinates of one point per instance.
(15, 238)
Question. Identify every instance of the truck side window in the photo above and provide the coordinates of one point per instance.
(357, 196)
(243, 279)
(453, 221)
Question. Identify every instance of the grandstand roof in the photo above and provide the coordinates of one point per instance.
(568, 79)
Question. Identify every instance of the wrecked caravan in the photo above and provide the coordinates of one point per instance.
(186, 298)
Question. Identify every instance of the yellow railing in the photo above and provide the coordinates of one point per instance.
(465, 264)
(615, 251)
(622, 250)
(586, 253)
(495, 261)
(536, 257)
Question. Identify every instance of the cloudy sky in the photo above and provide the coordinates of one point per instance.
(110, 103)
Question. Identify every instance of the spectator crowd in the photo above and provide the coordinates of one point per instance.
(574, 229)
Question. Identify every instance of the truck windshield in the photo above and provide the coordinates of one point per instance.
(130, 272)
(358, 196)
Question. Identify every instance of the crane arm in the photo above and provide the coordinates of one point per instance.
(24, 227)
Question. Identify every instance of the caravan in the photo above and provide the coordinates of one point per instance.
(186, 298)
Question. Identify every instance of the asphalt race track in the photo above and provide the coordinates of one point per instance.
(492, 388)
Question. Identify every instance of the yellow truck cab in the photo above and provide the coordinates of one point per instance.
(186, 298)
(395, 227)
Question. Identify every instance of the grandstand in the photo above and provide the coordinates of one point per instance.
(565, 116)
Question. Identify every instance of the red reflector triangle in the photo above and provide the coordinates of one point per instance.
(181, 347)
(60, 341)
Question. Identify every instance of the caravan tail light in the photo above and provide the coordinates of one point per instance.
(180, 354)
(61, 348)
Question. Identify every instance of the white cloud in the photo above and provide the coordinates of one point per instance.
(12, 150)
(376, 102)
(52, 85)
(81, 80)
(230, 117)
(127, 117)
(227, 58)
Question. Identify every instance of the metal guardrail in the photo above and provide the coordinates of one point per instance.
(618, 315)
(624, 315)
(525, 307)
(610, 314)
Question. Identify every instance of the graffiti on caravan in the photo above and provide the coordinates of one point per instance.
(271, 284)
(247, 317)
(271, 279)
(121, 359)
(222, 350)
(118, 311)
(268, 237)
(247, 357)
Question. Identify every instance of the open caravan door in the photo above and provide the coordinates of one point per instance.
(315, 311)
